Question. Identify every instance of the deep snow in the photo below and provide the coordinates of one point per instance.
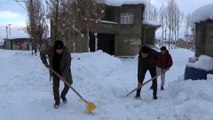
(26, 92)
(203, 62)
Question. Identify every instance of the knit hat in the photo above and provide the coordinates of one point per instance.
(58, 45)
(145, 49)
(163, 48)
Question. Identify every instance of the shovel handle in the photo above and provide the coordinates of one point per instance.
(89, 105)
(67, 84)
(145, 83)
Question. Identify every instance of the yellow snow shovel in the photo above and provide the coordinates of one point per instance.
(146, 82)
(89, 105)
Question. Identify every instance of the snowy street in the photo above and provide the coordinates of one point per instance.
(26, 92)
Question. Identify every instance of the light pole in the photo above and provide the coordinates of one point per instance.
(9, 29)
(6, 31)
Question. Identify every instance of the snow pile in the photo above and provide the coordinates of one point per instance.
(83, 65)
(26, 92)
(204, 62)
(192, 99)
(122, 2)
(203, 13)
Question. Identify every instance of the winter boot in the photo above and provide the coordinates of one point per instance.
(64, 99)
(56, 105)
(155, 97)
(138, 94)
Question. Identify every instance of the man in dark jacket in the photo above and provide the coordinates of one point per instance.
(163, 63)
(147, 61)
(60, 61)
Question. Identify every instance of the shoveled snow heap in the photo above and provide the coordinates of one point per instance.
(26, 92)
(204, 62)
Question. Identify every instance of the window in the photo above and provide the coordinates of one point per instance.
(127, 18)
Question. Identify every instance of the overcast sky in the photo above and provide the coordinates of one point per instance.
(12, 13)
(186, 6)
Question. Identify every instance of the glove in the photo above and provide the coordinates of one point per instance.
(139, 84)
(47, 65)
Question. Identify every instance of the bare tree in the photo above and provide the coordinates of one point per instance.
(37, 27)
(74, 16)
(178, 19)
(151, 11)
(187, 24)
(162, 19)
(189, 27)
(174, 20)
(52, 14)
(88, 14)
(170, 19)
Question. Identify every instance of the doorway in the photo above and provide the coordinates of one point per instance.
(106, 43)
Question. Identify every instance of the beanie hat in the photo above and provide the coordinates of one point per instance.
(58, 45)
(145, 49)
(163, 48)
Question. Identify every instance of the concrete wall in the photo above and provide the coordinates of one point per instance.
(204, 38)
(209, 39)
(128, 40)
(128, 37)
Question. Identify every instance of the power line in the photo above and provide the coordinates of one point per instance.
(20, 4)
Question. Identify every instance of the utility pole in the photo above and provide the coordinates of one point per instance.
(32, 27)
(9, 29)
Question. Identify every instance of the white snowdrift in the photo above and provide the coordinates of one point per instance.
(204, 62)
(26, 92)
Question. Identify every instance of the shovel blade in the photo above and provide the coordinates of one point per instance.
(90, 106)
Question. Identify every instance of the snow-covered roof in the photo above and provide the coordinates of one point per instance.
(203, 13)
(122, 2)
(151, 22)
(109, 22)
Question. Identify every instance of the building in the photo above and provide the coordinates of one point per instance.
(1, 45)
(17, 44)
(121, 32)
(203, 20)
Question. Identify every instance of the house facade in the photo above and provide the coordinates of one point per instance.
(124, 36)
(204, 38)
(17, 44)
(203, 30)
(121, 32)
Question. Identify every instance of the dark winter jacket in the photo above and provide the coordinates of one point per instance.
(145, 64)
(65, 62)
(164, 61)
